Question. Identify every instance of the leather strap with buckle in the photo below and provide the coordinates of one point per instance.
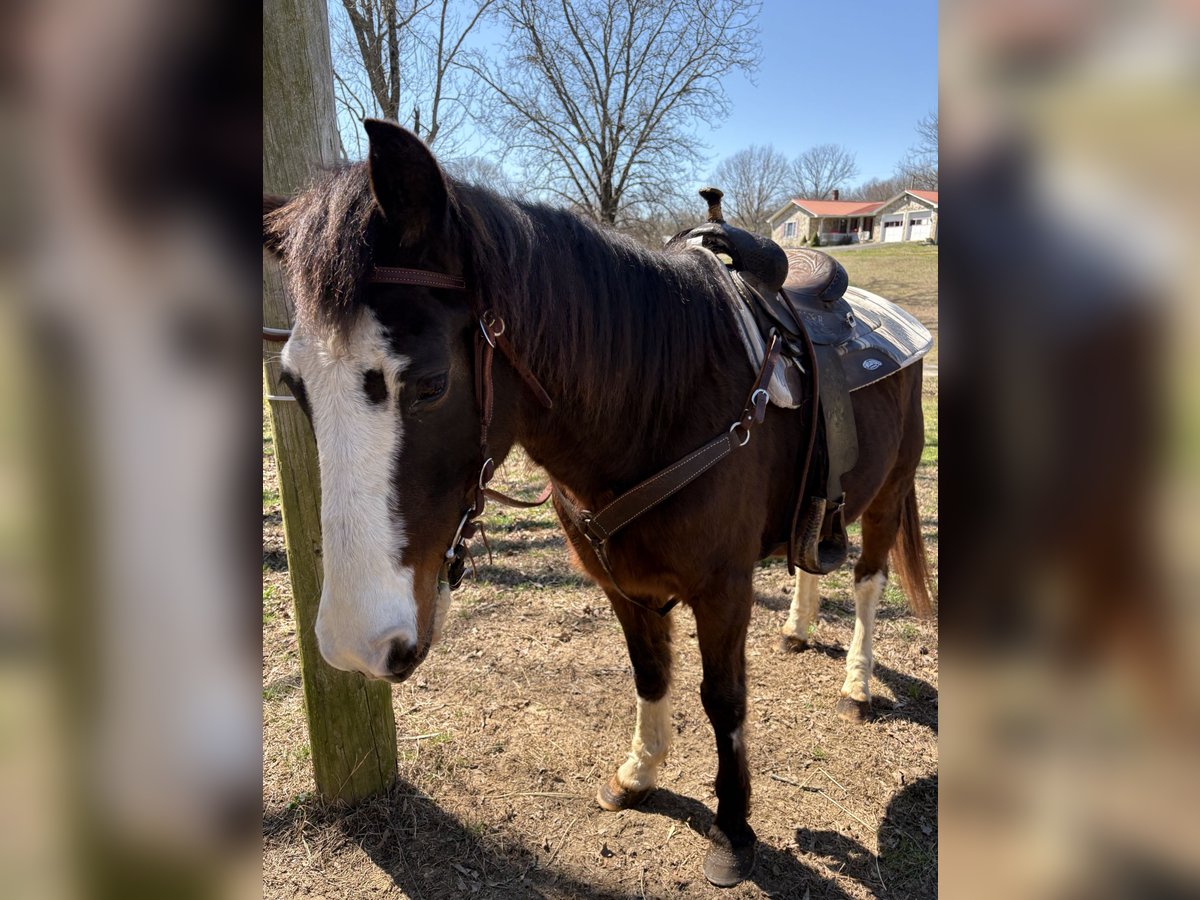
(600, 527)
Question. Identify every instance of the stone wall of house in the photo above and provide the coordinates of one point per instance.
(902, 204)
(804, 225)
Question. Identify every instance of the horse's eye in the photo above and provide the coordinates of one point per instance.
(430, 389)
(375, 386)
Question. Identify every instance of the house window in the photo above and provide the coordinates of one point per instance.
(789, 230)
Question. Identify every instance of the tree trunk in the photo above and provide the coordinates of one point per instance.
(351, 726)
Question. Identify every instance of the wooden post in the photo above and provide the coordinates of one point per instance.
(351, 726)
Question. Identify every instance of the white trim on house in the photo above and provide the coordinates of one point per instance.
(920, 225)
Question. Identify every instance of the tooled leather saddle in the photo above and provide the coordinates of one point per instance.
(836, 339)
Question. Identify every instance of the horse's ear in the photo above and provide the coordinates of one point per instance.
(406, 180)
(271, 203)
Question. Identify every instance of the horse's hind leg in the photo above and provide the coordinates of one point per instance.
(880, 525)
(648, 637)
(802, 617)
(721, 622)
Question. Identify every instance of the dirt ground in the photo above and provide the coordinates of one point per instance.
(507, 729)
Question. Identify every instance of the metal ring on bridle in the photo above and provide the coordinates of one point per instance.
(456, 540)
(484, 468)
(487, 322)
(746, 439)
(766, 395)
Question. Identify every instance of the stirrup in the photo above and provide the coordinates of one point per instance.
(822, 540)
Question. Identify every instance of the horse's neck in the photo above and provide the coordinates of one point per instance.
(591, 449)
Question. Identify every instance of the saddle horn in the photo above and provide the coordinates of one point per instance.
(712, 196)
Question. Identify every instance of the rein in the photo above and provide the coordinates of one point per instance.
(597, 528)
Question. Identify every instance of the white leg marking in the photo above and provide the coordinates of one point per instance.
(802, 617)
(860, 659)
(651, 741)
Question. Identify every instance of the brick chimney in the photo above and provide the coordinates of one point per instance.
(836, 193)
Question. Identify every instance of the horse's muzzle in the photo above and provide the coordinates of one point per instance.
(403, 657)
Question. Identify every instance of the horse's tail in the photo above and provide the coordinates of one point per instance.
(908, 557)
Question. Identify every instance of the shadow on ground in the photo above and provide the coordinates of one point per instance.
(427, 853)
(916, 700)
(907, 839)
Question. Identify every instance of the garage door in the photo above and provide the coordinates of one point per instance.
(893, 228)
(919, 229)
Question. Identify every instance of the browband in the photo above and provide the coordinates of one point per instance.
(420, 277)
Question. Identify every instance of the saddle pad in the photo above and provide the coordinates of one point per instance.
(785, 388)
(885, 339)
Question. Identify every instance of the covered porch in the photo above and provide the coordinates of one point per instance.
(834, 230)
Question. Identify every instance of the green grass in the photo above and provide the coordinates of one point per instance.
(268, 597)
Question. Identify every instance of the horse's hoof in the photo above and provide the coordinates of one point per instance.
(615, 798)
(789, 644)
(727, 864)
(856, 711)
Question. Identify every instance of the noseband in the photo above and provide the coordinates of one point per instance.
(488, 338)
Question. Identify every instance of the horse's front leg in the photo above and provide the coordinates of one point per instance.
(648, 637)
(722, 618)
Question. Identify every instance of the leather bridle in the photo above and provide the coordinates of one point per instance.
(597, 528)
(488, 338)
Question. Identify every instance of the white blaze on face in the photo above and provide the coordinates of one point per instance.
(367, 601)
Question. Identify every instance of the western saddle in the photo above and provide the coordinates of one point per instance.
(799, 294)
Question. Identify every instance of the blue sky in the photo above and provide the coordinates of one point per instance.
(853, 72)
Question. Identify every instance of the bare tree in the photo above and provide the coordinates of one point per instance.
(919, 168)
(484, 172)
(653, 222)
(820, 169)
(398, 59)
(878, 188)
(601, 98)
(755, 182)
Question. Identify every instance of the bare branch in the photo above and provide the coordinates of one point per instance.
(919, 168)
(405, 53)
(598, 93)
(819, 170)
(755, 182)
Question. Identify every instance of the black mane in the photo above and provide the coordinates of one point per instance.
(607, 325)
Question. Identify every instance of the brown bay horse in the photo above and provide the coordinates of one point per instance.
(639, 355)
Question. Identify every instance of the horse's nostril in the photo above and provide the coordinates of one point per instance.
(403, 656)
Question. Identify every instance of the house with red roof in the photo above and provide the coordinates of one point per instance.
(909, 216)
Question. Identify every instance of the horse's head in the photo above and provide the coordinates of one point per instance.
(385, 374)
